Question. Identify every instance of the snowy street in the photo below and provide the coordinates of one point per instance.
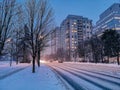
(60, 76)
(88, 76)
(59, 45)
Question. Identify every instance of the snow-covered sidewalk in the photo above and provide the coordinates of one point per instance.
(7, 70)
(43, 79)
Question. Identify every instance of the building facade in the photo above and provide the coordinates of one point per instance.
(109, 19)
(74, 31)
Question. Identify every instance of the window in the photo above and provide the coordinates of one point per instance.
(72, 39)
(74, 23)
(78, 20)
(84, 26)
(75, 41)
(75, 36)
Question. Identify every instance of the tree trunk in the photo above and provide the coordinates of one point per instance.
(1, 48)
(10, 62)
(0, 52)
(102, 58)
(96, 59)
(38, 54)
(33, 68)
(108, 59)
(38, 60)
(17, 59)
(118, 59)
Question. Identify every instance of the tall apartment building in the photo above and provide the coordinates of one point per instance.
(109, 19)
(74, 31)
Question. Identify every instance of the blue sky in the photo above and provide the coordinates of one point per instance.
(87, 8)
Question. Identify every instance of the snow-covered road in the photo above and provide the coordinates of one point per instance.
(87, 76)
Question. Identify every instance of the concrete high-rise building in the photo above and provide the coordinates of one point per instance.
(74, 31)
(109, 19)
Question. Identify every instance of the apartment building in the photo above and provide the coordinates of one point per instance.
(74, 31)
(109, 19)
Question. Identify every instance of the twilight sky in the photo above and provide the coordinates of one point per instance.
(88, 8)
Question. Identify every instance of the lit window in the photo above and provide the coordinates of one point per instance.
(72, 47)
(75, 30)
(75, 23)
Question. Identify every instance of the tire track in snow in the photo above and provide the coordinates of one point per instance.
(101, 76)
(95, 72)
(79, 76)
(82, 77)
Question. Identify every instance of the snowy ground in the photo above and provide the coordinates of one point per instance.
(89, 76)
(43, 79)
(7, 70)
(61, 76)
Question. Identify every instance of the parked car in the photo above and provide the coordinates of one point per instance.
(60, 61)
